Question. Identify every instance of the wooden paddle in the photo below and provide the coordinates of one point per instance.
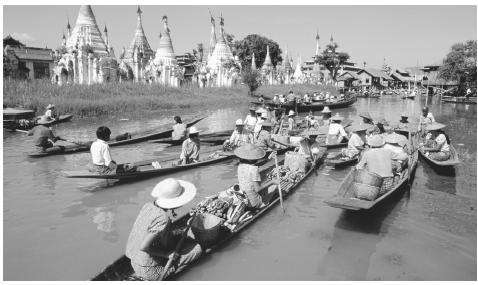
(61, 139)
(175, 254)
(410, 158)
(278, 178)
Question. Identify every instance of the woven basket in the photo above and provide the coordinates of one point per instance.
(365, 192)
(295, 140)
(296, 162)
(206, 228)
(280, 138)
(369, 178)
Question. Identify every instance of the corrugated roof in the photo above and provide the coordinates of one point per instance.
(31, 53)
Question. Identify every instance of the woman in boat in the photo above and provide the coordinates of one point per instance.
(380, 126)
(394, 142)
(249, 178)
(326, 114)
(179, 129)
(100, 152)
(306, 98)
(441, 149)
(275, 100)
(368, 122)
(51, 112)
(336, 131)
(291, 121)
(261, 117)
(309, 144)
(250, 120)
(43, 136)
(379, 160)
(425, 119)
(356, 143)
(264, 138)
(239, 136)
(190, 147)
(151, 242)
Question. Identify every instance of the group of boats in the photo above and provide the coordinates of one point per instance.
(458, 99)
(314, 105)
(24, 119)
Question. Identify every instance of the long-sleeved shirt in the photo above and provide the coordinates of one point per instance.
(179, 131)
(238, 139)
(379, 161)
(41, 135)
(264, 140)
(190, 150)
(100, 153)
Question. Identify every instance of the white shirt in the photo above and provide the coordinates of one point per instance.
(250, 121)
(100, 153)
(336, 129)
(282, 99)
(441, 140)
(396, 149)
(426, 120)
(354, 142)
(258, 125)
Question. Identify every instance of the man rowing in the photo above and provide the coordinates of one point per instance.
(190, 148)
(151, 242)
(239, 137)
(43, 136)
(100, 152)
(179, 129)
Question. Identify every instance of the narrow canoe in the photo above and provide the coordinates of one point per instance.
(338, 145)
(464, 100)
(338, 161)
(86, 146)
(210, 137)
(447, 163)
(345, 199)
(317, 106)
(121, 269)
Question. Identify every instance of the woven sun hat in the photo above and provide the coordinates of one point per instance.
(50, 106)
(239, 122)
(435, 126)
(404, 115)
(193, 130)
(267, 123)
(393, 139)
(326, 110)
(358, 128)
(336, 117)
(44, 120)
(173, 193)
(249, 152)
(291, 113)
(376, 141)
(365, 115)
(261, 110)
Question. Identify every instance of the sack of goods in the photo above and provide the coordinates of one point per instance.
(296, 162)
(367, 185)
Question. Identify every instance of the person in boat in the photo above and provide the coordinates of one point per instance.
(356, 143)
(395, 143)
(379, 160)
(327, 96)
(51, 112)
(249, 178)
(307, 99)
(368, 122)
(291, 96)
(326, 114)
(43, 136)
(275, 100)
(380, 126)
(291, 121)
(309, 144)
(312, 121)
(190, 148)
(336, 131)
(152, 242)
(438, 147)
(425, 119)
(403, 123)
(100, 152)
(282, 99)
(262, 100)
(179, 129)
(264, 137)
(262, 116)
(342, 96)
(239, 136)
(250, 120)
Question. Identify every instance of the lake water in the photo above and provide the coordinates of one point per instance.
(56, 228)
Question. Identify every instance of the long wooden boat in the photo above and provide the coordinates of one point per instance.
(86, 146)
(340, 161)
(314, 106)
(121, 268)
(447, 163)
(464, 100)
(145, 168)
(337, 145)
(412, 97)
(345, 198)
(209, 138)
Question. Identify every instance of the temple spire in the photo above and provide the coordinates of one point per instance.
(212, 38)
(267, 61)
(106, 37)
(68, 27)
(317, 46)
(139, 42)
(253, 62)
(165, 49)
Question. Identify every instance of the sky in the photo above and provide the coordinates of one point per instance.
(403, 35)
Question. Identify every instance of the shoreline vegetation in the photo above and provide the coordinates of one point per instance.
(113, 99)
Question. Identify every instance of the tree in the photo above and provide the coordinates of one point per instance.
(460, 65)
(258, 45)
(252, 79)
(332, 59)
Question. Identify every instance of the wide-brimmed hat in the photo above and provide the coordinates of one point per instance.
(358, 128)
(193, 130)
(267, 123)
(50, 106)
(252, 109)
(314, 132)
(404, 115)
(375, 141)
(336, 117)
(250, 152)
(265, 115)
(261, 110)
(393, 138)
(291, 113)
(326, 110)
(365, 115)
(173, 193)
(434, 126)
(239, 122)
(44, 120)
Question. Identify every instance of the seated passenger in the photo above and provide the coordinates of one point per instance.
(356, 142)
(394, 142)
(43, 136)
(264, 139)
(179, 129)
(239, 136)
(441, 149)
(309, 145)
(100, 152)
(336, 131)
(190, 148)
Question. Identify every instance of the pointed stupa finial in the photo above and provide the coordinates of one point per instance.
(317, 35)
(105, 30)
(253, 62)
(68, 22)
(212, 38)
(139, 11)
(331, 38)
(267, 61)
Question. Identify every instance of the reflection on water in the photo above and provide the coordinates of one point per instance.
(86, 221)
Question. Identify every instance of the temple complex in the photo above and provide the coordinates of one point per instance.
(84, 57)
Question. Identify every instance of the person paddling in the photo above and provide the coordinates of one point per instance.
(51, 112)
(356, 143)
(43, 136)
(239, 137)
(100, 152)
(179, 129)
(151, 242)
(438, 146)
(190, 148)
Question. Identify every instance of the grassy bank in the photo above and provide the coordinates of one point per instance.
(112, 99)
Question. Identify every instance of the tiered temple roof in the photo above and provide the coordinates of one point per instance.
(165, 51)
(286, 63)
(212, 39)
(267, 62)
(87, 30)
(222, 52)
(139, 42)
